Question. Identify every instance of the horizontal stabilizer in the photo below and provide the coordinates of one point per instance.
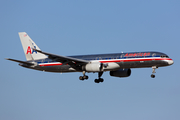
(24, 62)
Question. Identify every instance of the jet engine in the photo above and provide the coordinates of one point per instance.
(93, 67)
(99, 67)
(121, 73)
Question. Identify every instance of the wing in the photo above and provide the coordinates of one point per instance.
(63, 59)
(19, 61)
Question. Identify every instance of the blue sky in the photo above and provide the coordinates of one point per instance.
(89, 27)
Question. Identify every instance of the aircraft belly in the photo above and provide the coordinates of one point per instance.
(58, 68)
(141, 64)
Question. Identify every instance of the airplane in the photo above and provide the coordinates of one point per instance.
(118, 64)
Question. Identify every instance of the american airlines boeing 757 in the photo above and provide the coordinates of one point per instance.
(119, 64)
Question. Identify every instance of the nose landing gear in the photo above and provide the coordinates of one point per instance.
(154, 68)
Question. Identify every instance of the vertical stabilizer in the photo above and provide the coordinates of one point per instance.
(28, 44)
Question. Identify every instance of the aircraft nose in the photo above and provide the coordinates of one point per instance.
(170, 62)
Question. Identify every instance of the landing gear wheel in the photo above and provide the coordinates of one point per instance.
(96, 80)
(153, 76)
(101, 80)
(81, 78)
(85, 77)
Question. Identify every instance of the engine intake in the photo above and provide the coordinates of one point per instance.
(121, 73)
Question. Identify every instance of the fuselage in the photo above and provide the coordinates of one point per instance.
(117, 60)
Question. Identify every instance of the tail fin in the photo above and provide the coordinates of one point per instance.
(28, 44)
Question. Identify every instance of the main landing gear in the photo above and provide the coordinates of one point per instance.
(99, 79)
(96, 80)
(154, 68)
(84, 76)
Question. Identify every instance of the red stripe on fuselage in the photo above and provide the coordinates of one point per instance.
(134, 60)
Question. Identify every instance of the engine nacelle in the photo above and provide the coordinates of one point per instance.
(99, 67)
(93, 67)
(121, 73)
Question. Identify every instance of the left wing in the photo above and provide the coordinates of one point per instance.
(63, 59)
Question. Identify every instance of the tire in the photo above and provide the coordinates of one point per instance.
(101, 79)
(152, 76)
(96, 80)
(81, 78)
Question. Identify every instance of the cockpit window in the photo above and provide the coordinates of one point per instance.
(164, 56)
